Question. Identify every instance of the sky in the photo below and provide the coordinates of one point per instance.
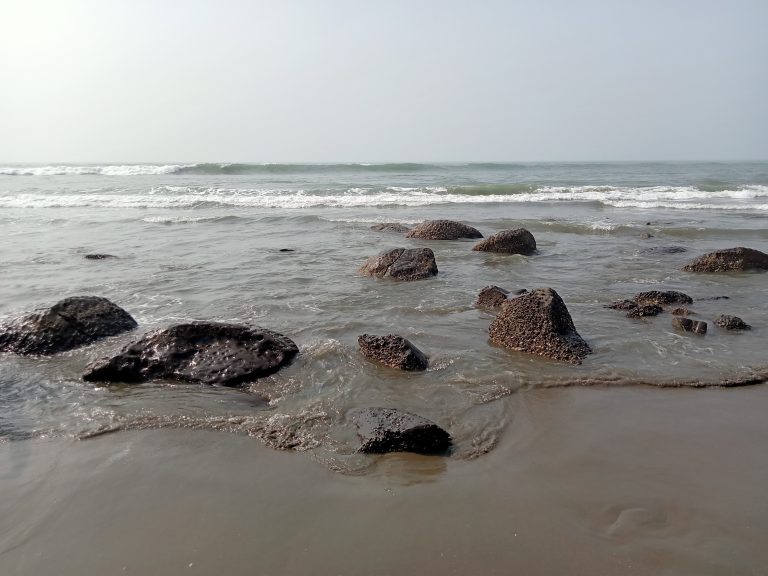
(382, 81)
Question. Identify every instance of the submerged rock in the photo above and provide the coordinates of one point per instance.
(662, 298)
(390, 227)
(519, 241)
(688, 325)
(731, 323)
(68, 324)
(443, 230)
(641, 311)
(98, 256)
(681, 312)
(491, 297)
(731, 259)
(384, 430)
(207, 352)
(401, 264)
(622, 305)
(539, 323)
(663, 250)
(392, 350)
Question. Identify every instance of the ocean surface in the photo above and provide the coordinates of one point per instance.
(627, 463)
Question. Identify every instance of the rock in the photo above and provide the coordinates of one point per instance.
(443, 230)
(681, 312)
(390, 227)
(286, 250)
(392, 350)
(662, 298)
(68, 324)
(491, 297)
(622, 305)
(688, 325)
(662, 250)
(207, 352)
(731, 323)
(646, 236)
(384, 430)
(732, 259)
(519, 241)
(98, 256)
(715, 298)
(641, 311)
(539, 323)
(401, 264)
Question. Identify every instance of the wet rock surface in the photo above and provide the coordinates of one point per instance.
(729, 260)
(390, 227)
(642, 311)
(519, 241)
(662, 298)
(538, 322)
(443, 230)
(663, 250)
(681, 312)
(491, 297)
(688, 325)
(731, 323)
(392, 350)
(384, 430)
(68, 324)
(401, 264)
(206, 352)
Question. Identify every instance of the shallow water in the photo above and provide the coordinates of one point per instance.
(203, 242)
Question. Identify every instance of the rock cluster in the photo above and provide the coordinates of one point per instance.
(443, 230)
(519, 241)
(68, 324)
(392, 350)
(729, 260)
(401, 264)
(205, 352)
(388, 430)
(538, 322)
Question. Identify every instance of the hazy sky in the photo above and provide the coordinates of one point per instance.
(357, 80)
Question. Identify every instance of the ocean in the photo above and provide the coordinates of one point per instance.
(634, 461)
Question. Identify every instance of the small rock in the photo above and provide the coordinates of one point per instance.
(731, 323)
(519, 241)
(661, 250)
(68, 324)
(383, 430)
(392, 350)
(622, 305)
(286, 250)
(688, 325)
(401, 264)
(645, 310)
(539, 323)
(98, 256)
(390, 227)
(206, 352)
(715, 298)
(443, 230)
(729, 260)
(491, 297)
(662, 298)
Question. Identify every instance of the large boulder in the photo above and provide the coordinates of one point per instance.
(731, 259)
(443, 230)
(392, 350)
(68, 324)
(207, 352)
(384, 430)
(519, 241)
(390, 227)
(401, 264)
(539, 323)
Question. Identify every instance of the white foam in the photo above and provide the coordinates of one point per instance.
(112, 170)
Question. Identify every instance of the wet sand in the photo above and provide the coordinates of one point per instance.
(583, 481)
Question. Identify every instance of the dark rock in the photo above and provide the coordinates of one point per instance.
(539, 323)
(206, 352)
(662, 298)
(622, 305)
(715, 298)
(392, 350)
(660, 250)
(384, 430)
(731, 323)
(688, 325)
(286, 250)
(443, 230)
(681, 312)
(68, 324)
(491, 297)
(641, 311)
(98, 256)
(401, 264)
(519, 241)
(390, 227)
(732, 259)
